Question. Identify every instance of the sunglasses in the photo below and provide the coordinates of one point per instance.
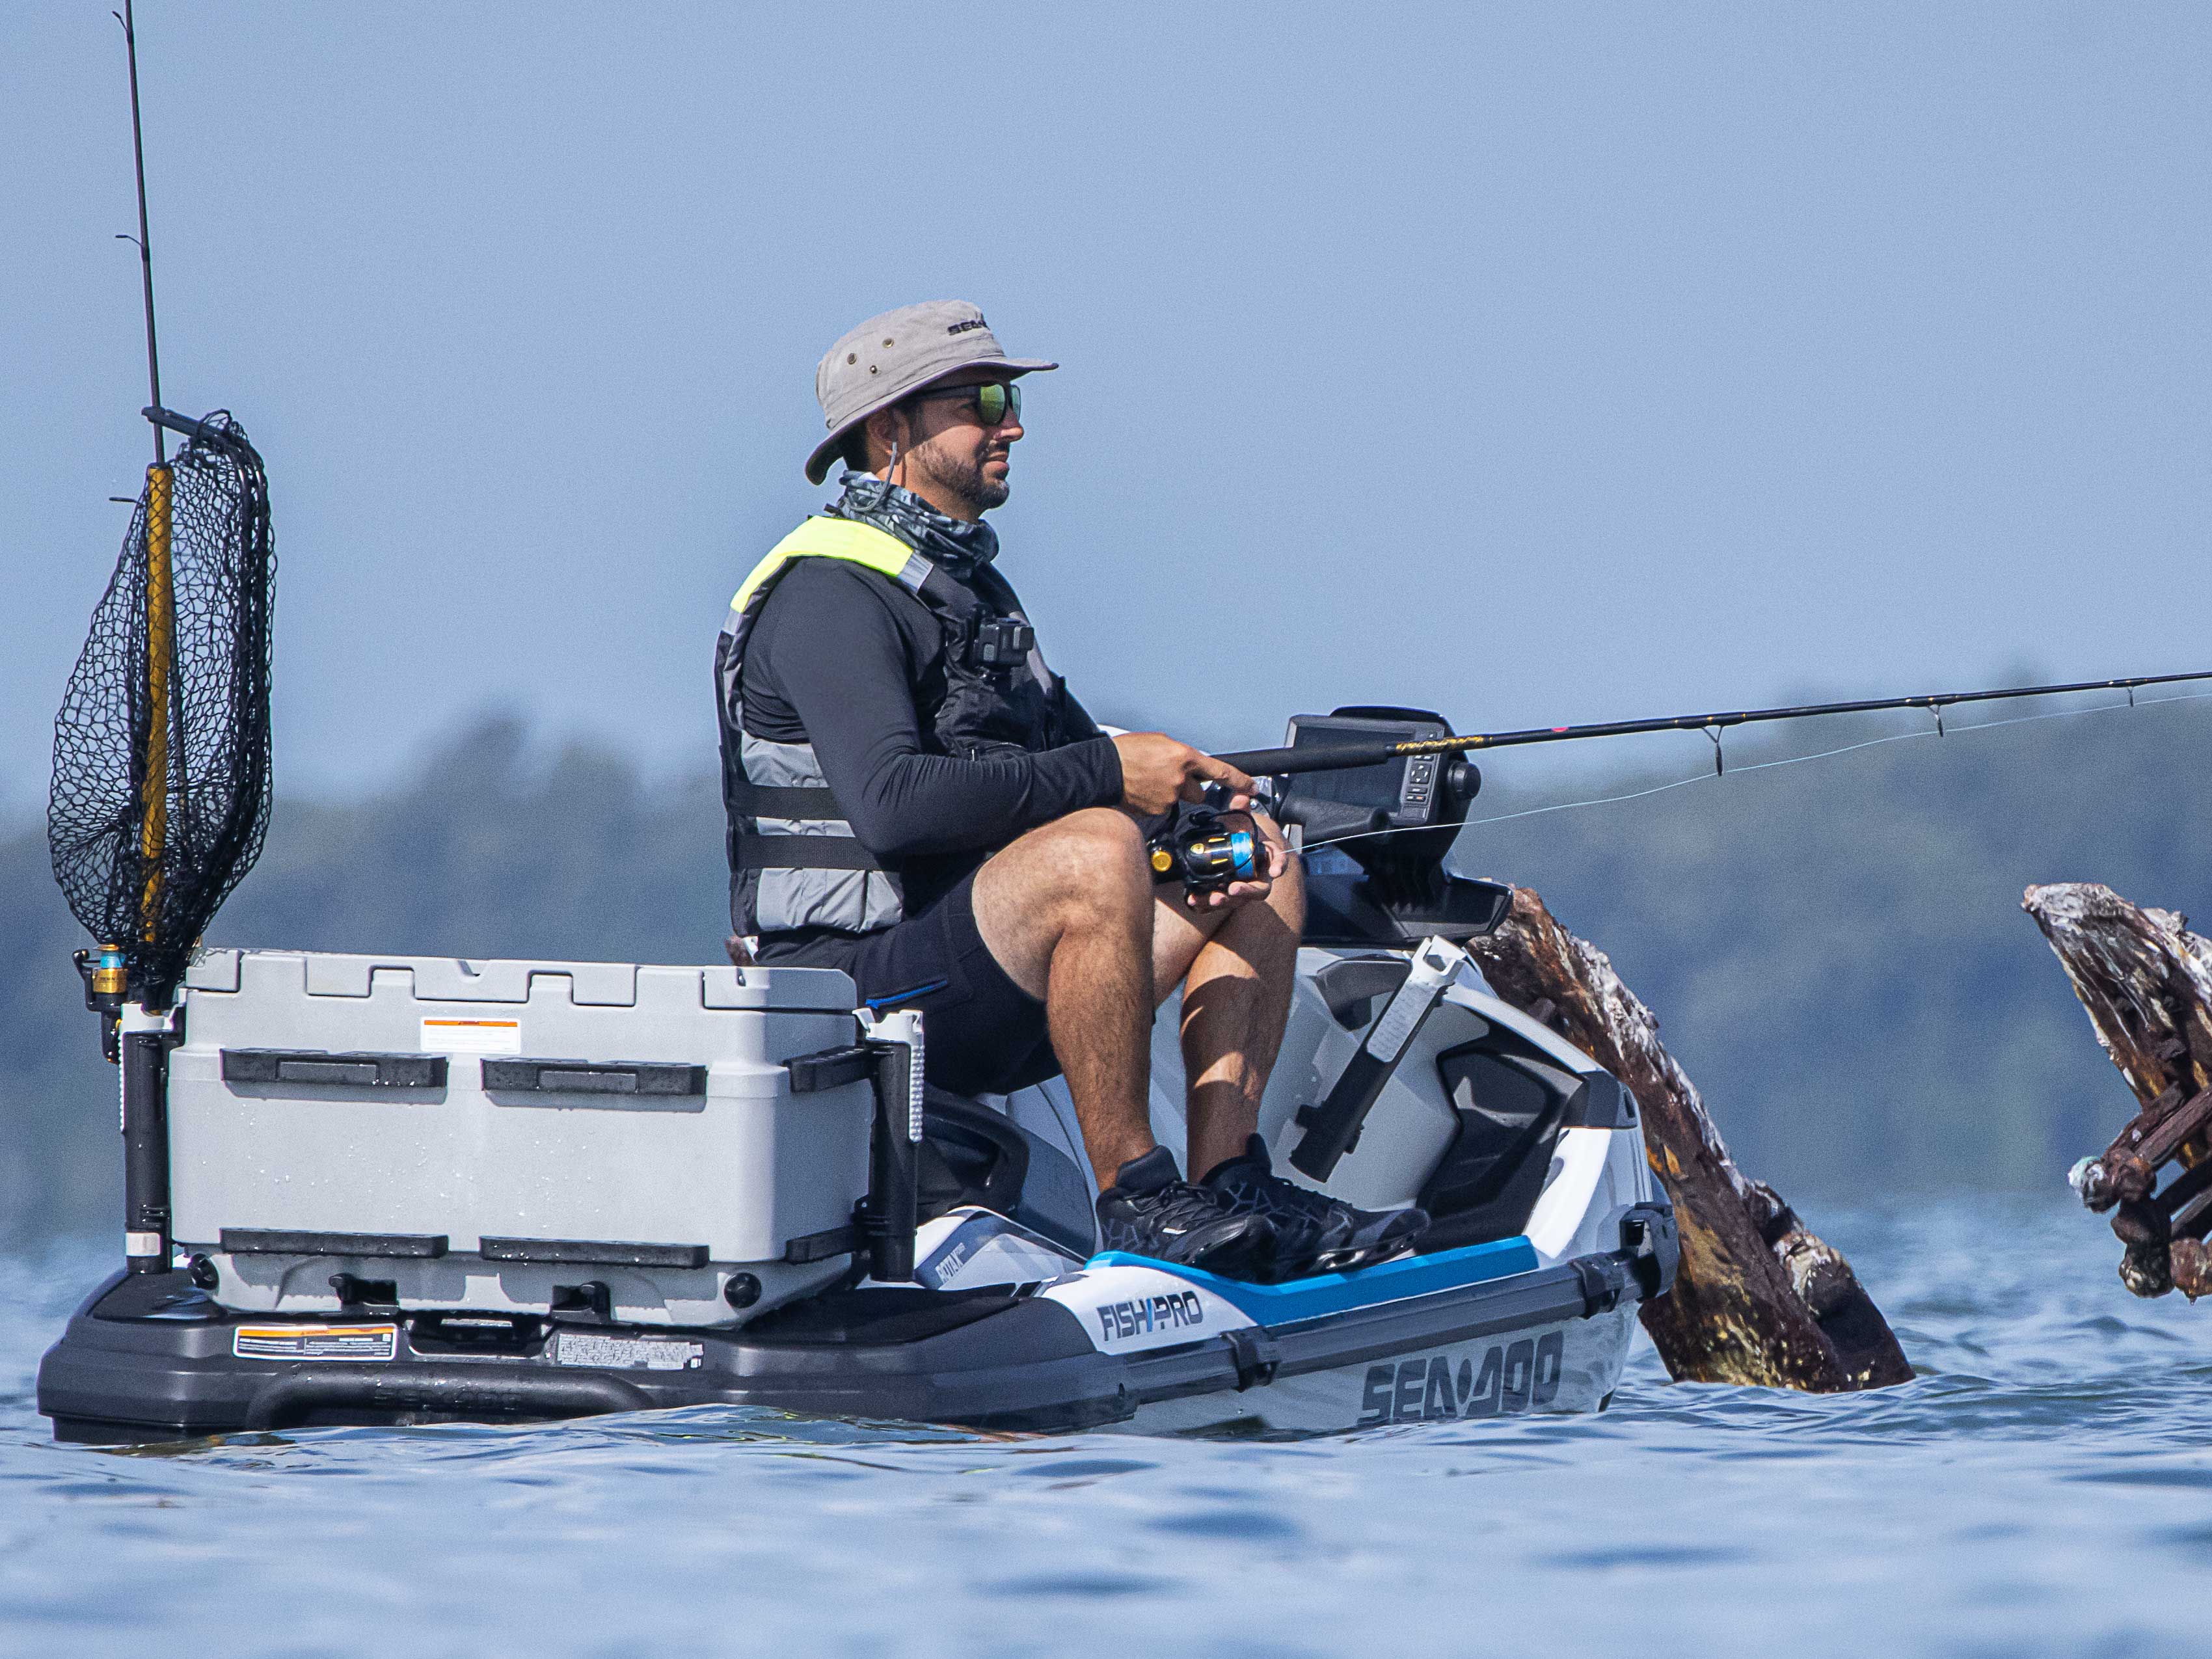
(997, 402)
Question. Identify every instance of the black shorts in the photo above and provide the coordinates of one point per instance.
(983, 1034)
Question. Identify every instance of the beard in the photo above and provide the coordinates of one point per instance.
(962, 476)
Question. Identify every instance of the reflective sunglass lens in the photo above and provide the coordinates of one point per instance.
(995, 401)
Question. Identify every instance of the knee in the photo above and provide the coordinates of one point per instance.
(1100, 835)
(1103, 847)
(1097, 858)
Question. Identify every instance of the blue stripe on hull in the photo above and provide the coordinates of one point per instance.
(1327, 1293)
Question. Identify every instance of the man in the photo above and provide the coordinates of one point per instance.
(914, 798)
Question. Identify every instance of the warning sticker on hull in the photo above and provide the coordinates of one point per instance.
(650, 1353)
(356, 1342)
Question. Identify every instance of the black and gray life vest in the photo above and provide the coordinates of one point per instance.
(793, 860)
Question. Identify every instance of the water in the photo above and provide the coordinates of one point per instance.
(2045, 1486)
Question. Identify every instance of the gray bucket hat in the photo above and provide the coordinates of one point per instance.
(901, 351)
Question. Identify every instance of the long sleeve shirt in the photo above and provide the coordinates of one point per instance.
(844, 658)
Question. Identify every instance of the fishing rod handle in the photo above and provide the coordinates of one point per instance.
(1336, 757)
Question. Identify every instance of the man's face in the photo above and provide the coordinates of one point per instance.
(948, 443)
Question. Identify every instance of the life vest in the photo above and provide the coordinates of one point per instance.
(795, 862)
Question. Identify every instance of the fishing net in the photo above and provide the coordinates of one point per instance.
(160, 790)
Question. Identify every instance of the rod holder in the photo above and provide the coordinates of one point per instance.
(886, 1218)
(146, 1039)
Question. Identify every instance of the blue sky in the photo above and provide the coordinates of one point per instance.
(1536, 363)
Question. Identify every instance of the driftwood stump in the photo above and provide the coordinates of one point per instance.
(2147, 983)
(1760, 1299)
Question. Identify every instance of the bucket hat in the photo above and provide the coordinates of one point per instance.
(899, 352)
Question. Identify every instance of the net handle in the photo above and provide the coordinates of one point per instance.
(160, 664)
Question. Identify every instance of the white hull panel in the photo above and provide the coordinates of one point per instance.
(1573, 1365)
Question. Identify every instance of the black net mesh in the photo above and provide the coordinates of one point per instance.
(160, 791)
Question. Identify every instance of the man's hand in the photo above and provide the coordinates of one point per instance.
(1157, 772)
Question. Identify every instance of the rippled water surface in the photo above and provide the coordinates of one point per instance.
(2045, 1486)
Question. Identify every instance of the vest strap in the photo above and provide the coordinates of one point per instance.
(782, 800)
(801, 853)
(821, 537)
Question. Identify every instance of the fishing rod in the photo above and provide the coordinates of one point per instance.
(143, 238)
(143, 1037)
(160, 591)
(1336, 755)
(159, 798)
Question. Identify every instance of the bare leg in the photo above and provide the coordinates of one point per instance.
(1068, 911)
(1238, 968)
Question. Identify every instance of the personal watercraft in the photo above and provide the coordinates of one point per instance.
(406, 1189)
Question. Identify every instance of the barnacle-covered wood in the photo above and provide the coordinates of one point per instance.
(1760, 1299)
(2147, 983)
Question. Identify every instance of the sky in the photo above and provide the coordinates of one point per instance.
(1531, 363)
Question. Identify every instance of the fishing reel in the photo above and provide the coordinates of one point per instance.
(1206, 850)
(1207, 847)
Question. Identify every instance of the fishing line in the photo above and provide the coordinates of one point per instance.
(1788, 760)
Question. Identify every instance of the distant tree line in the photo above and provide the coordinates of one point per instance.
(1835, 950)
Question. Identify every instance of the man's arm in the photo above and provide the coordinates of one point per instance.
(831, 645)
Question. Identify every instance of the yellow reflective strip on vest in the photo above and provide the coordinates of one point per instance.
(830, 538)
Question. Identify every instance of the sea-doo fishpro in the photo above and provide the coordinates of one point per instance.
(406, 1189)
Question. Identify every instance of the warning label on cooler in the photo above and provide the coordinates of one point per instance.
(356, 1342)
(650, 1353)
(473, 1036)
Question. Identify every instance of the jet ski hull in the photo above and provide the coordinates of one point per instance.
(1123, 1343)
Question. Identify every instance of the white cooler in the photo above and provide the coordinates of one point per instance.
(512, 1136)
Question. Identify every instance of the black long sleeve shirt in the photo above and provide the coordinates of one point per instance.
(842, 658)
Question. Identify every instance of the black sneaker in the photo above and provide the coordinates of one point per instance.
(1320, 1234)
(1149, 1211)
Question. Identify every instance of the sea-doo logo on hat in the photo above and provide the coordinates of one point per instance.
(961, 328)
